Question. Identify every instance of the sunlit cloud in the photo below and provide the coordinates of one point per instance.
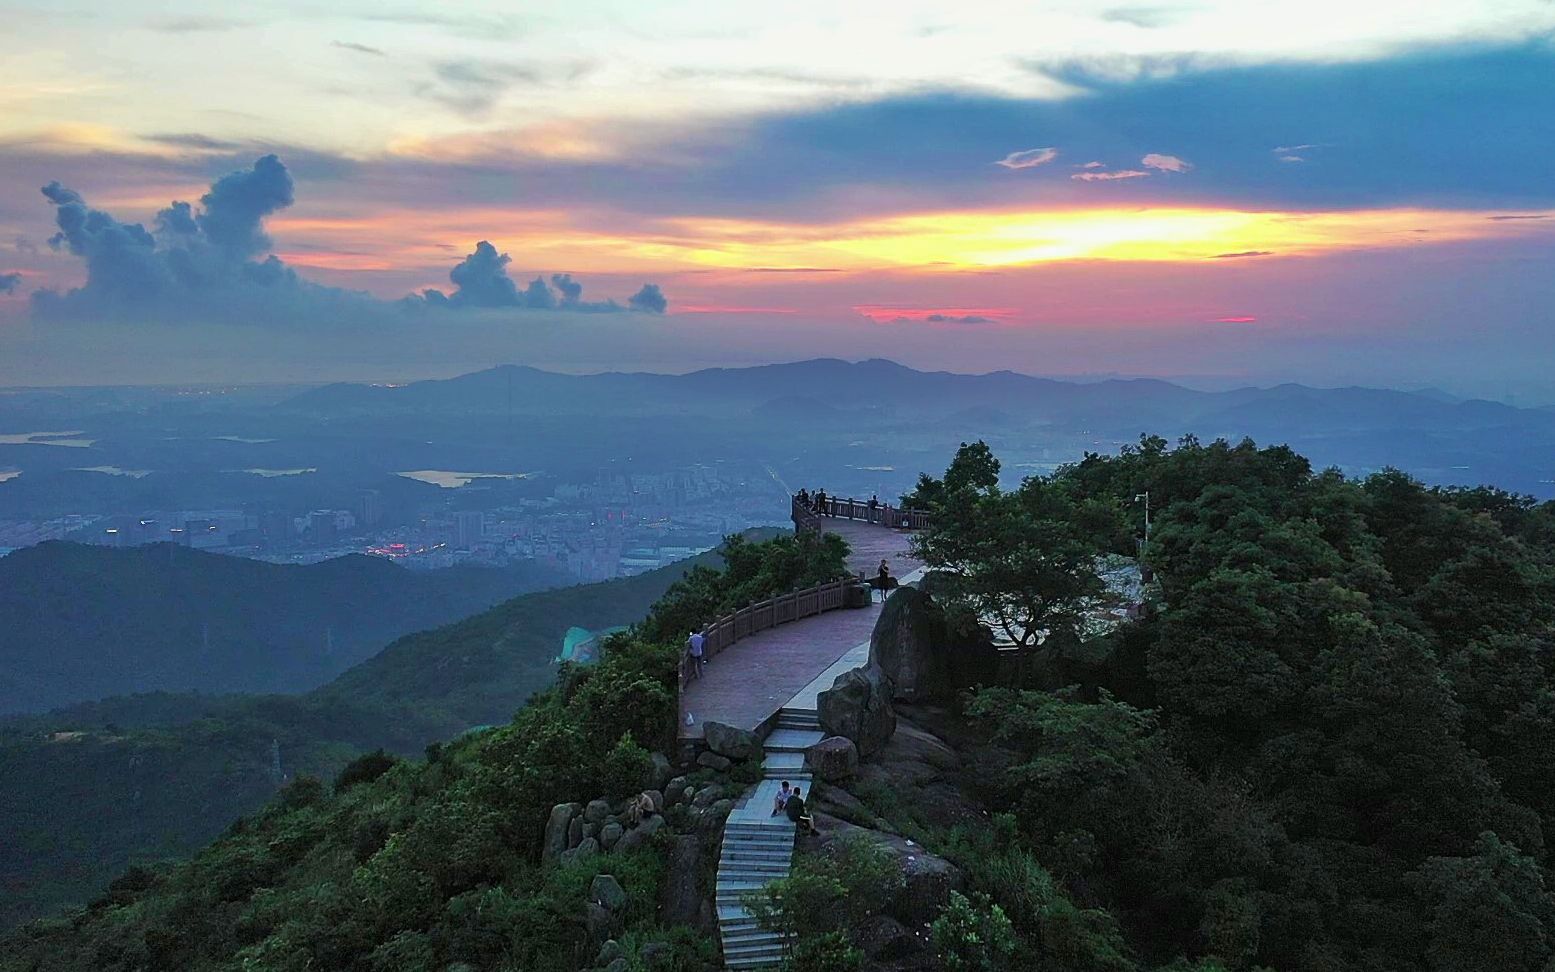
(1029, 158)
(1165, 163)
(898, 314)
(1098, 175)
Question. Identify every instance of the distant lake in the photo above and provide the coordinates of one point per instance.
(115, 471)
(273, 473)
(448, 479)
(46, 438)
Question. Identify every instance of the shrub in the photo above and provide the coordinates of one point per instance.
(973, 935)
(364, 769)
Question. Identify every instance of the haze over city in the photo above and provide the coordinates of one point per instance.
(1223, 192)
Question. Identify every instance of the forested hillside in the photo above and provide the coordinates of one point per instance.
(92, 789)
(87, 622)
(1328, 746)
(401, 862)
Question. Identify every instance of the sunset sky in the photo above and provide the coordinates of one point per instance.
(1229, 190)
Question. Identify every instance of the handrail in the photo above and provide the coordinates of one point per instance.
(770, 613)
(809, 518)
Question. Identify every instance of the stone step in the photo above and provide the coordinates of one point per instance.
(756, 869)
(753, 876)
(757, 856)
(769, 950)
(792, 740)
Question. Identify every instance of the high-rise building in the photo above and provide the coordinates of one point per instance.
(369, 507)
(469, 528)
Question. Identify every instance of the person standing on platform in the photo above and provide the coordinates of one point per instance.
(694, 656)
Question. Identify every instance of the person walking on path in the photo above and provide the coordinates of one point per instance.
(799, 814)
(694, 658)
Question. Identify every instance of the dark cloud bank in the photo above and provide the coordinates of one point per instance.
(213, 263)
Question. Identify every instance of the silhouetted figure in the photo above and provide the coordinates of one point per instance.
(884, 582)
(804, 498)
(798, 813)
(874, 506)
(820, 502)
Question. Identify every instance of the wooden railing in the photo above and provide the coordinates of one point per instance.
(770, 613)
(807, 517)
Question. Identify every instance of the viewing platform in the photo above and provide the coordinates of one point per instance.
(745, 684)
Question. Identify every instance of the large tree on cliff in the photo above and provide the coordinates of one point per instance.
(1020, 561)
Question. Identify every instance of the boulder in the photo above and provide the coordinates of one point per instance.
(601, 924)
(639, 835)
(714, 762)
(679, 896)
(596, 811)
(884, 939)
(609, 834)
(575, 831)
(619, 965)
(909, 644)
(609, 952)
(833, 759)
(705, 797)
(587, 847)
(656, 798)
(556, 828)
(675, 787)
(606, 890)
(924, 656)
(655, 953)
(726, 740)
(662, 771)
(858, 706)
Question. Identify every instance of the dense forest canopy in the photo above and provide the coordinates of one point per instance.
(1329, 746)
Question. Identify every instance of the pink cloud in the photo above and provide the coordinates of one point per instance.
(1109, 176)
(1166, 163)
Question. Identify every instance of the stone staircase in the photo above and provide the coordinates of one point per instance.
(758, 847)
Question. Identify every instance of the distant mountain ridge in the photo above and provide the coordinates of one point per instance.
(86, 622)
(836, 383)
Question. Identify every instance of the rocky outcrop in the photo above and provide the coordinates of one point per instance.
(607, 891)
(680, 898)
(927, 879)
(858, 706)
(639, 835)
(924, 656)
(714, 762)
(557, 829)
(730, 742)
(833, 759)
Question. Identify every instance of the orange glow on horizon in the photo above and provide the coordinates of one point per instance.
(599, 242)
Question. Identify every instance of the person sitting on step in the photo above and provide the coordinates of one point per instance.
(780, 798)
(799, 814)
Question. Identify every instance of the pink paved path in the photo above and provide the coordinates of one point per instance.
(756, 676)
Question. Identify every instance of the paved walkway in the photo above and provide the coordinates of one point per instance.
(748, 682)
(781, 672)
